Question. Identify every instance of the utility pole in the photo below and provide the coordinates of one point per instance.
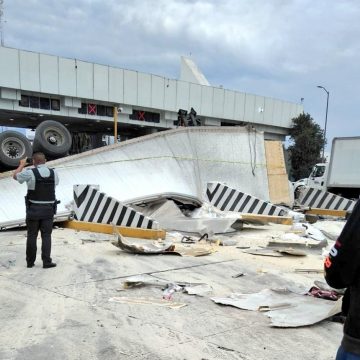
(326, 115)
(2, 22)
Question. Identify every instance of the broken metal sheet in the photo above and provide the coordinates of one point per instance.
(170, 217)
(291, 251)
(298, 240)
(279, 252)
(140, 246)
(147, 301)
(331, 229)
(281, 244)
(161, 197)
(143, 280)
(307, 230)
(263, 252)
(285, 308)
(199, 289)
(313, 233)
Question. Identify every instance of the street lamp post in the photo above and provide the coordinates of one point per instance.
(327, 106)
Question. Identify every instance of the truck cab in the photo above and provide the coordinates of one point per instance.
(317, 177)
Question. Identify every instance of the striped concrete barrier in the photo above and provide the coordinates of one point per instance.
(91, 205)
(226, 198)
(315, 198)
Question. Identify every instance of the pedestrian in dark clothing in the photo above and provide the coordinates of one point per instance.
(342, 270)
(40, 206)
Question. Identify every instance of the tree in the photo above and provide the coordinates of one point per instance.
(306, 143)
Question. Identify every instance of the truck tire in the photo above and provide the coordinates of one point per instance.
(13, 147)
(52, 138)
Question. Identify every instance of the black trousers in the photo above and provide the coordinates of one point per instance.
(33, 227)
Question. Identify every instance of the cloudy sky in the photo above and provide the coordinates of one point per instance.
(276, 48)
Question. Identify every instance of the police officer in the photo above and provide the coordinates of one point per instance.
(342, 270)
(40, 206)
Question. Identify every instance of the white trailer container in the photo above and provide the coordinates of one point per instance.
(341, 176)
(344, 167)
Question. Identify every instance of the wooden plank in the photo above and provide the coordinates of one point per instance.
(284, 220)
(328, 212)
(277, 175)
(108, 229)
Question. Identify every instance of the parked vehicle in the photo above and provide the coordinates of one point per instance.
(341, 176)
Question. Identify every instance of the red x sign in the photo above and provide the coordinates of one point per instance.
(92, 109)
(141, 115)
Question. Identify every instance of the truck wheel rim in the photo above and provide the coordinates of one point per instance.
(13, 148)
(54, 137)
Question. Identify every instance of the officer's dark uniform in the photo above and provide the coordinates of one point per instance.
(40, 209)
(342, 269)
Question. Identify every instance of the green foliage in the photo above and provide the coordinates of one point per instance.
(306, 144)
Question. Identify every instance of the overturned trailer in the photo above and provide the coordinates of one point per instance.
(177, 162)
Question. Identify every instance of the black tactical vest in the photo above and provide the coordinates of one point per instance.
(44, 187)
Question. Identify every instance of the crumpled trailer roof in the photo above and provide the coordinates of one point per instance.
(178, 161)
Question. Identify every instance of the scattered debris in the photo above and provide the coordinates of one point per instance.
(140, 246)
(228, 242)
(331, 229)
(307, 230)
(275, 252)
(199, 289)
(291, 251)
(190, 240)
(281, 244)
(319, 271)
(225, 348)
(324, 294)
(170, 289)
(285, 308)
(263, 252)
(170, 217)
(238, 275)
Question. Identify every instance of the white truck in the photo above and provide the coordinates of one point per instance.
(341, 176)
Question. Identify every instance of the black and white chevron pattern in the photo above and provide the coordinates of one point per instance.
(320, 199)
(226, 198)
(91, 205)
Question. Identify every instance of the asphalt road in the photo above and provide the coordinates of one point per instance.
(65, 312)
